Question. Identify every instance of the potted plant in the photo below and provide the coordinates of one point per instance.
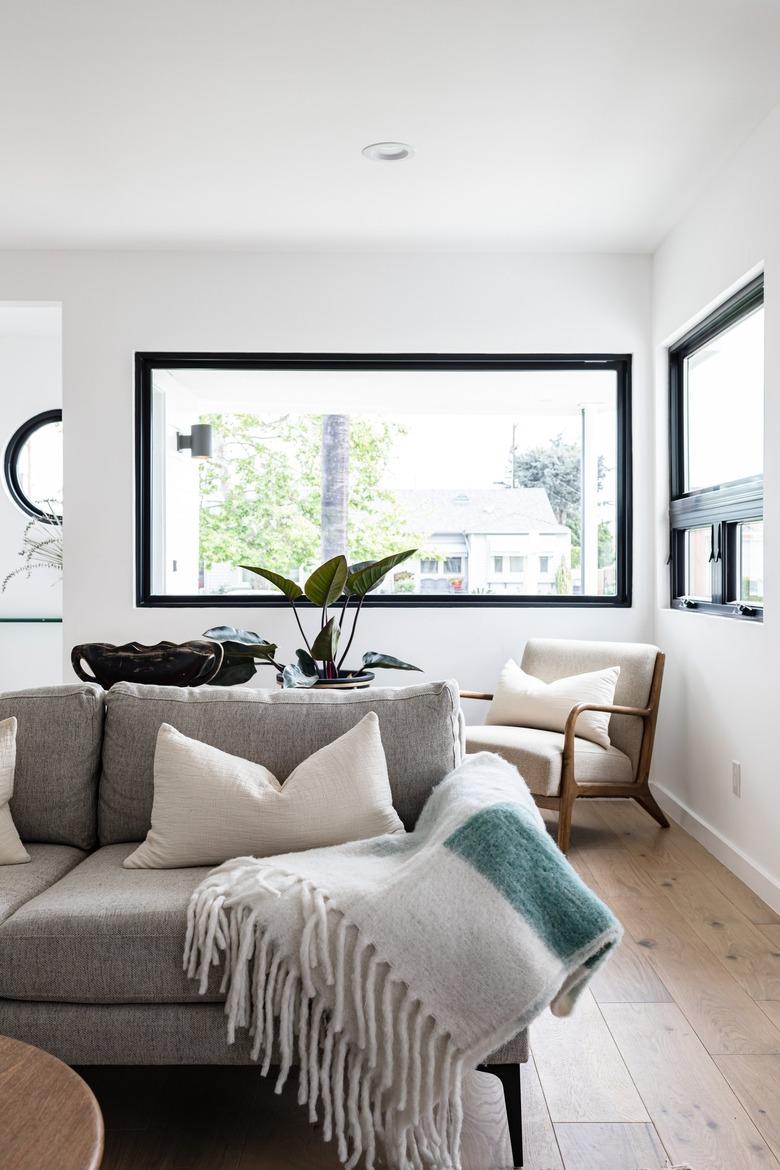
(318, 663)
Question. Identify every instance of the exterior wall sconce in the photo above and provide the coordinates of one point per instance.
(199, 443)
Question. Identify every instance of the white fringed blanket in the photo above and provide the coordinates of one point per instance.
(383, 969)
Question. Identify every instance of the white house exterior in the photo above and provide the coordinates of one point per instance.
(490, 540)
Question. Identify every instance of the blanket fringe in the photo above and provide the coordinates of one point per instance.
(398, 1077)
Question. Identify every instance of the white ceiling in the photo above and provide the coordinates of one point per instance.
(554, 124)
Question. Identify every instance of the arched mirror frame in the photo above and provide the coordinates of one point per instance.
(10, 462)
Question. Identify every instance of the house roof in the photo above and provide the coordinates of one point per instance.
(486, 511)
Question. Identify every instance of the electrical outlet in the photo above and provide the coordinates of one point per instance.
(736, 777)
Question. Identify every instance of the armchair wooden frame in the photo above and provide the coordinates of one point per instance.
(571, 788)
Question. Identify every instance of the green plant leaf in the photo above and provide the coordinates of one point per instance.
(291, 590)
(373, 660)
(233, 672)
(293, 677)
(326, 643)
(326, 583)
(364, 578)
(307, 664)
(241, 643)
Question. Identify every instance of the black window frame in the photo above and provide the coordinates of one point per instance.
(147, 362)
(720, 507)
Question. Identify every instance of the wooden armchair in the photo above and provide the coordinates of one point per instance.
(558, 766)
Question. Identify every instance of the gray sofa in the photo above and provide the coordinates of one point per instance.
(90, 953)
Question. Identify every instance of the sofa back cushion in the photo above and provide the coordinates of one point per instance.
(421, 729)
(59, 732)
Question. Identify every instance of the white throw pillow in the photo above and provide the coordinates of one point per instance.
(210, 806)
(522, 700)
(11, 849)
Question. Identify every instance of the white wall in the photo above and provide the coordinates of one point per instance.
(30, 382)
(721, 689)
(114, 304)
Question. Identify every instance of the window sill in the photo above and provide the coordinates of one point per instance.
(391, 601)
(711, 609)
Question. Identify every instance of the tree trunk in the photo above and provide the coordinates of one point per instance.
(335, 484)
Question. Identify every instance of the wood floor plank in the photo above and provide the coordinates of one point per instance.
(610, 1147)
(581, 1071)
(754, 909)
(771, 1007)
(724, 1016)
(697, 1116)
(634, 826)
(772, 932)
(540, 1146)
(756, 1081)
(629, 977)
(743, 948)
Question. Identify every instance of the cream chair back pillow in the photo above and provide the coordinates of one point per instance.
(210, 806)
(522, 700)
(11, 849)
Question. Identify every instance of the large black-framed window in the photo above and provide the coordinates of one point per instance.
(716, 512)
(434, 570)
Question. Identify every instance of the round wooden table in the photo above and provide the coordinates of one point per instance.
(49, 1118)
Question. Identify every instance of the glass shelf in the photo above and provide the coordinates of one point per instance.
(55, 620)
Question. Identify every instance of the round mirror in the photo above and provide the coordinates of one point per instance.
(33, 466)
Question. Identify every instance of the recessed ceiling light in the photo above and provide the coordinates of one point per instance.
(388, 151)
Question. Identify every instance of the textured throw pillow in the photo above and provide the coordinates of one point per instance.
(210, 806)
(521, 700)
(11, 849)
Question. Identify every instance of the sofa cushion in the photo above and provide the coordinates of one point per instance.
(47, 864)
(421, 729)
(102, 934)
(538, 756)
(58, 739)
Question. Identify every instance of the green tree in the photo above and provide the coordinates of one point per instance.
(557, 467)
(261, 494)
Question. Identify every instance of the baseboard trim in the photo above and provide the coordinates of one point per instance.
(753, 875)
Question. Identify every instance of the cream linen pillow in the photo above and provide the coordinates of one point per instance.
(521, 700)
(11, 849)
(209, 806)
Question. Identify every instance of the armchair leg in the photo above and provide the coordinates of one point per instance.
(565, 811)
(509, 1075)
(648, 802)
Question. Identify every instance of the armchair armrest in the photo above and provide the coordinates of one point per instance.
(476, 695)
(609, 709)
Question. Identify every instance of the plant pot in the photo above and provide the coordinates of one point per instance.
(344, 682)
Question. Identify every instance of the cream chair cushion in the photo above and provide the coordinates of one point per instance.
(522, 700)
(538, 756)
(551, 658)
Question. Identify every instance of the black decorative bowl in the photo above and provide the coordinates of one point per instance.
(171, 664)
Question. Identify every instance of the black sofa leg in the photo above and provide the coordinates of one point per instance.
(509, 1075)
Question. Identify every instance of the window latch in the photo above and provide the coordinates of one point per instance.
(717, 553)
(741, 610)
(688, 603)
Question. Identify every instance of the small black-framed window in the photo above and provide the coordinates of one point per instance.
(464, 475)
(33, 466)
(716, 396)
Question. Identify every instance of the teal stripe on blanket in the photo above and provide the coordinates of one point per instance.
(527, 868)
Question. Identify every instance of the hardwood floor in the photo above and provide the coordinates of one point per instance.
(673, 1056)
